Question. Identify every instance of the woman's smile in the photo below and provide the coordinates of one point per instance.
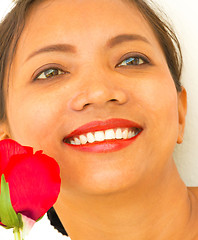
(106, 136)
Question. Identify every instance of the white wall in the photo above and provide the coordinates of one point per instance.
(4, 7)
(184, 17)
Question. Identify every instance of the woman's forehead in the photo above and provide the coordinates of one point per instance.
(79, 21)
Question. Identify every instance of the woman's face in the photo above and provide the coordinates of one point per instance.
(93, 60)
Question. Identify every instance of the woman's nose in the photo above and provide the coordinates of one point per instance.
(98, 93)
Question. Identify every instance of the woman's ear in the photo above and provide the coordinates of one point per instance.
(182, 110)
(4, 133)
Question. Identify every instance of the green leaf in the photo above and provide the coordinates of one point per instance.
(7, 214)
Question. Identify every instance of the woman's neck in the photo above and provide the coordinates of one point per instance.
(161, 211)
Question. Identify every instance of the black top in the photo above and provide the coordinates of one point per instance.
(55, 221)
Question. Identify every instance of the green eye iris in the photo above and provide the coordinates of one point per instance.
(132, 61)
(52, 72)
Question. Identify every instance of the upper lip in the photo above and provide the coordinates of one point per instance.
(103, 125)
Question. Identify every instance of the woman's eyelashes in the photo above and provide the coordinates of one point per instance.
(133, 61)
(127, 60)
(49, 73)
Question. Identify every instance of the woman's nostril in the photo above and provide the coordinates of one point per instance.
(86, 105)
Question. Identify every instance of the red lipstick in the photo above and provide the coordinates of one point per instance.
(106, 145)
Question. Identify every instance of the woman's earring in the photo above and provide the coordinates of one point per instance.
(180, 139)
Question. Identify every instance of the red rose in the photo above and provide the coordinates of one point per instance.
(34, 179)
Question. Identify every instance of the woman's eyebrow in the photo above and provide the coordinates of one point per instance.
(125, 37)
(53, 48)
(70, 48)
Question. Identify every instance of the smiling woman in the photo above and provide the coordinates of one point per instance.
(96, 85)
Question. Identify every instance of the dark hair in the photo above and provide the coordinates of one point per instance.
(13, 24)
(166, 37)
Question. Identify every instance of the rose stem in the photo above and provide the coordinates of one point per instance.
(17, 234)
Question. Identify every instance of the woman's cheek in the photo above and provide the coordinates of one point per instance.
(157, 98)
(30, 118)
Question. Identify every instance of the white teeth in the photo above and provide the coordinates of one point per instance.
(131, 134)
(99, 136)
(119, 133)
(125, 134)
(104, 135)
(83, 139)
(90, 138)
(109, 134)
(77, 141)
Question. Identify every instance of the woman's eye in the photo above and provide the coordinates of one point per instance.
(132, 61)
(52, 72)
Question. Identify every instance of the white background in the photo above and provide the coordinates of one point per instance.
(184, 17)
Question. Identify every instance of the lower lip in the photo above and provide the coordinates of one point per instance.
(104, 146)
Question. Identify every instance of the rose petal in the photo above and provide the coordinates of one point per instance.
(34, 182)
(8, 148)
(1, 224)
(28, 224)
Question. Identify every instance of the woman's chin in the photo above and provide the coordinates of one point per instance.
(103, 184)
